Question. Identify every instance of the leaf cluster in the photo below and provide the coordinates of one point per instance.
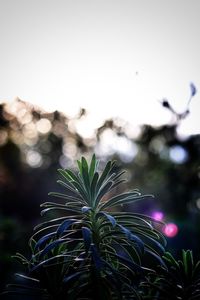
(179, 280)
(89, 250)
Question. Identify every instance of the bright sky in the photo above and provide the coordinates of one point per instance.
(113, 57)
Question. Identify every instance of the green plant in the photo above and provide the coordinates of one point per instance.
(86, 250)
(180, 280)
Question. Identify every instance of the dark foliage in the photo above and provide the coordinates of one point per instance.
(89, 251)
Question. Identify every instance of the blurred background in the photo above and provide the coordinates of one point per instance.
(110, 77)
(35, 143)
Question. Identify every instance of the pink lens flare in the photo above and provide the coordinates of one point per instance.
(170, 230)
(158, 215)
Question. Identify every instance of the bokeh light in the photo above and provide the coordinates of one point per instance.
(170, 230)
(178, 154)
(198, 203)
(158, 215)
(43, 126)
(34, 159)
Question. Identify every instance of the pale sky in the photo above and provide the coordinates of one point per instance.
(113, 57)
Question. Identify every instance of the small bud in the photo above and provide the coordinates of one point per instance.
(165, 103)
(193, 89)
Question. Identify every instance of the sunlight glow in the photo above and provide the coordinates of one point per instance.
(113, 144)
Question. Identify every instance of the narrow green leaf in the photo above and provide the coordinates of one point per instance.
(196, 271)
(80, 166)
(105, 189)
(92, 167)
(73, 277)
(19, 257)
(81, 190)
(116, 183)
(127, 262)
(44, 211)
(135, 256)
(73, 177)
(50, 247)
(43, 240)
(169, 257)
(70, 188)
(57, 220)
(188, 263)
(104, 174)
(65, 258)
(64, 226)
(123, 198)
(152, 242)
(85, 175)
(87, 237)
(157, 257)
(67, 197)
(118, 175)
(132, 237)
(65, 174)
(52, 204)
(93, 185)
(110, 218)
(132, 217)
(96, 258)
